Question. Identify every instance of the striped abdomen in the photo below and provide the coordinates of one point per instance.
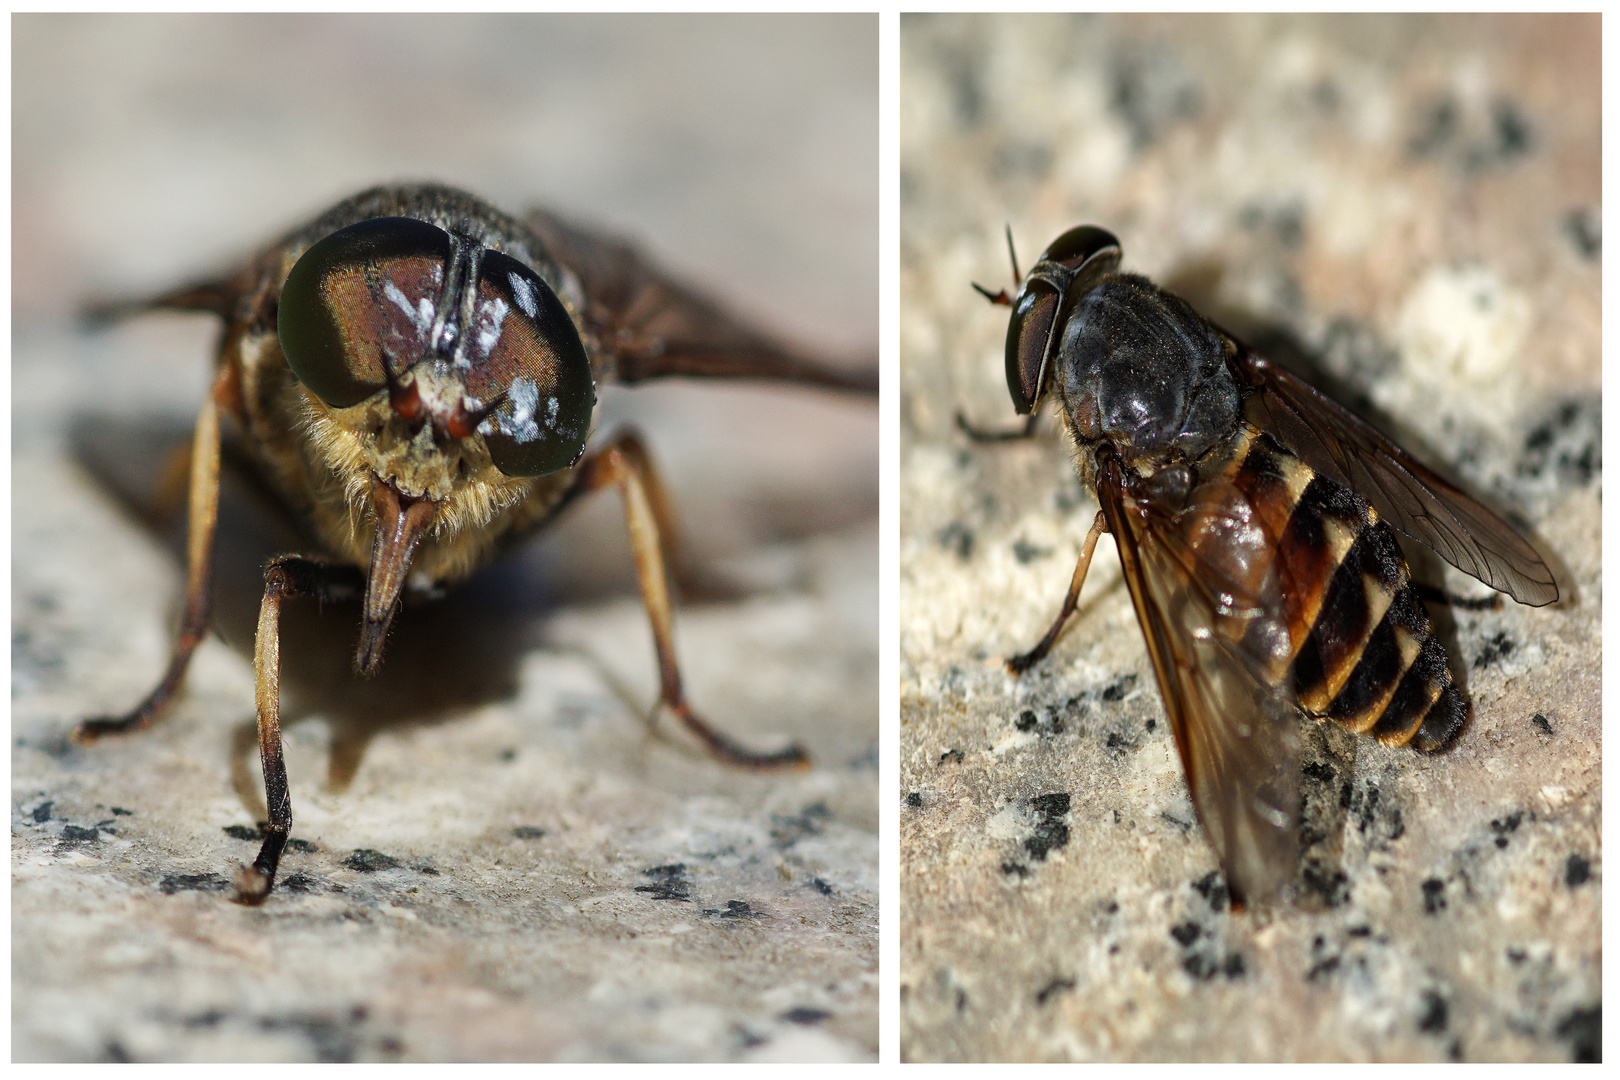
(1362, 651)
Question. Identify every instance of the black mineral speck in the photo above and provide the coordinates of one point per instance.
(1577, 871)
(1333, 886)
(914, 800)
(299, 883)
(1434, 896)
(1055, 803)
(821, 886)
(208, 1019)
(1212, 887)
(734, 909)
(1502, 827)
(73, 836)
(1026, 720)
(42, 812)
(1435, 1012)
(958, 538)
(1583, 1029)
(669, 883)
(955, 757)
(1026, 552)
(1512, 130)
(1323, 968)
(1201, 967)
(1542, 722)
(1234, 966)
(1585, 230)
(789, 829)
(1117, 689)
(1498, 646)
(1186, 933)
(1052, 989)
(368, 861)
(804, 1015)
(173, 883)
(1050, 834)
(528, 832)
(1015, 869)
(1567, 445)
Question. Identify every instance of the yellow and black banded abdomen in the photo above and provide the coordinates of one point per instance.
(1364, 652)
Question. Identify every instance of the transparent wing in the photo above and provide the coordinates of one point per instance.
(648, 325)
(1208, 600)
(1425, 506)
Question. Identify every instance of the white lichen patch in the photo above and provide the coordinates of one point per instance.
(1463, 323)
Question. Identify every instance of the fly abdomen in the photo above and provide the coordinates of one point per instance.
(1363, 651)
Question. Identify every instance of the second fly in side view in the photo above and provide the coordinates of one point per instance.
(1255, 520)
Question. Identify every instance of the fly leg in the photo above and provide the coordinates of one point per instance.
(623, 463)
(979, 434)
(1022, 663)
(287, 576)
(201, 519)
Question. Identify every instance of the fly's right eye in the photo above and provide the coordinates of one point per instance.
(1029, 333)
(357, 298)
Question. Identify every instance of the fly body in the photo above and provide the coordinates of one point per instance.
(413, 374)
(1256, 525)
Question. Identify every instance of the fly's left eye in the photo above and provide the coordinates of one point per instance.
(1029, 334)
(526, 352)
(357, 298)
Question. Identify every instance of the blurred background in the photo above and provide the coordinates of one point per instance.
(740, 153)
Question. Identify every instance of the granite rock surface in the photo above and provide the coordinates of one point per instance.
(491, 859)
(1411, 206)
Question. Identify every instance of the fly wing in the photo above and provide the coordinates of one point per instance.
(1336, 442)
(647, 325)
(1209, 603)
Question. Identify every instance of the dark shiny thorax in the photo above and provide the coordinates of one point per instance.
(1139, 368)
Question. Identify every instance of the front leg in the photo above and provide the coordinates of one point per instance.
(1024, 661)
(285, 577)
(623, 463)
(202, 516)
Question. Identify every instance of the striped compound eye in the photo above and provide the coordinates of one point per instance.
(357, 300)
(526, 353)
(364, 306)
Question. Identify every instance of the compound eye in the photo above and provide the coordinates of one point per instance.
(1029, 332)
(526, 353)
(1075, 247)
(357, 299)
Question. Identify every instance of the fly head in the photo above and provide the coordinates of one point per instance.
(443, 358)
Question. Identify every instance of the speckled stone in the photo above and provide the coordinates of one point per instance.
(490, 859)
(1414, 205)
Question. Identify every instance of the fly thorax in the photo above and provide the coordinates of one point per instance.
(1139, 369)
